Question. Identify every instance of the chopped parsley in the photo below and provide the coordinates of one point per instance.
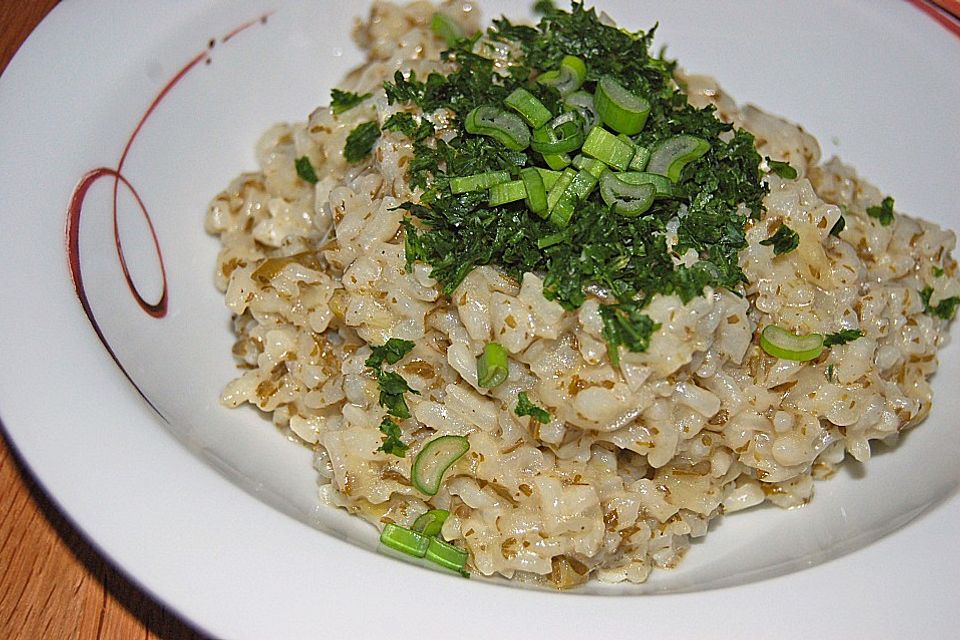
(305, 170)
(392, 385)
(883, 213)
(360, 141)
(938, 272)
(407, 124)
(830, 374)
(841, 337)
(391, 352)
(946, 309)
(782, 169)
(392, 444)
(783, 241)
(625, 260)
(341, 101)
(527, 408)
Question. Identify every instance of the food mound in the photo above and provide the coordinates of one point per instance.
(544, 306)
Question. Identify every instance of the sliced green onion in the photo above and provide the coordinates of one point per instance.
(404, 540)
(556, 162)
(478, 181)
(583, 103)
(608, 148)
(549, 177)
(560, 135)
(662, 184)
(507, 192)
(669, 157)
(552, 239)
(430, 523)
(783, 344)
(591, 165)
(568, 78)
(446, 28)
(434, 460)
(529, 108)
(503, 126)
(641, 155)
(562, 212)
(583, 184)
(492, 367)
(535, 190)
(625, 198)
(620, 109)
(559, 187)
(446, 555)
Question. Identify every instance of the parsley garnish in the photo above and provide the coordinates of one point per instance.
(391, 352)
(623, 324)
(782, 169)
(392, 444)
(360, 141)
(883, 213)
(305, 170)
(527, 408)
(392, 385)
(830, 373)
(407, 124)
(946, 309)
(341, 101)
(841, 337)
(627, 257)
(937, 272)
(783, 241)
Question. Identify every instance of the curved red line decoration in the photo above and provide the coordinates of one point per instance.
(941, 14)
(157, 309)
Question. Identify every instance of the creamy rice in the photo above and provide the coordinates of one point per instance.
(638, 458)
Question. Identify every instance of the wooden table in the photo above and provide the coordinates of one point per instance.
(53, 583)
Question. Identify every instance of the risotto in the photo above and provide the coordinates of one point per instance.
(494, 404)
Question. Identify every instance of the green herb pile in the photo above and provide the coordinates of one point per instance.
(627, 259)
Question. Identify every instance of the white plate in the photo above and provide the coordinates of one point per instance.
(216, 514)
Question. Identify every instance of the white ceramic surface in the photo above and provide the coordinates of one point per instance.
(215, 513)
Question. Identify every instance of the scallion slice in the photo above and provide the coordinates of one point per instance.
(503, 126)
(446, 28)
(507, 192)
(492, 366)
(608, 148)
(641, 155)
(593, 166)
(662, 184)
(780, 343)
(559, 187)
(560, 135)
(478, 181)
(446, 555)
(434, 460)
(556, 161)
(404, 540)
(568, 78)
(549, 177)
(583, 103)
(583, 184)
(536, 191)
(562, 212)
(529, 108)
(620, 109)
(430, 523)
(669, 157)
(625, 198)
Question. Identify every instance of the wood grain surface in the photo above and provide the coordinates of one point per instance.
(53, 583)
